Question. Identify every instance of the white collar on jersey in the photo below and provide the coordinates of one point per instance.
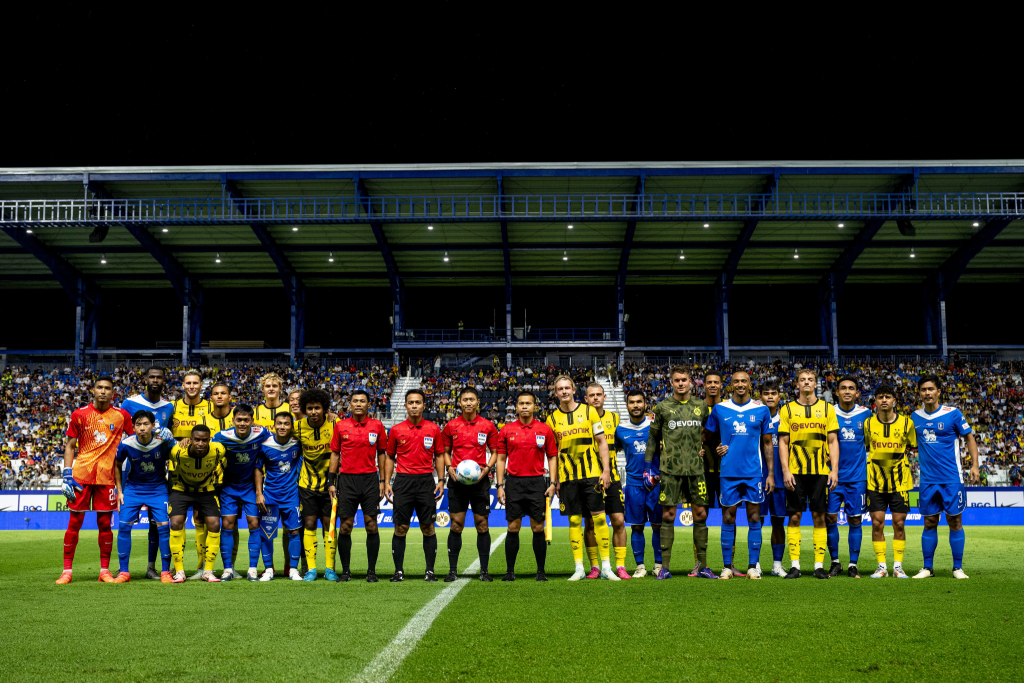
(752, 403)
(133, 442)
(857, 410)
(257, 433)
(141, 398)
(931, 416)
(272, 443)
(628, 424)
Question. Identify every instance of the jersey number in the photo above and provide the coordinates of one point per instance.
(113, 494)
(702, 488)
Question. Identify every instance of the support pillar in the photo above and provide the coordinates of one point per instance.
(942, 323)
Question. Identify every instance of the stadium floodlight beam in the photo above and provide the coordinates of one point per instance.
(707, 225)
(295, 228)
(164, 230)
(975, 224)
(28, 231)
(840, 225)
(569, 226)
(430, 227)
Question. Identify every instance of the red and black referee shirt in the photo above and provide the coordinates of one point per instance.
(414, 446)
(470, 440)
(357, 444)
(527, 446)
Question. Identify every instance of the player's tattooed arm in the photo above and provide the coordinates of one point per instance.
(768, 452)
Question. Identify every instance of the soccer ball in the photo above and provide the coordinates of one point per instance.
(468, 472)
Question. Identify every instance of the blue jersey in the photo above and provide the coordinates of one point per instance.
(631, 439)
(144, 466)
(938, 444)
(853, 458)
(281, 464)
(776, 464)
(741, 426)
(242, 456)
(162, 410)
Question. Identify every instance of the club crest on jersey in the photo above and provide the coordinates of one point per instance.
(428, 442)
(752, 419)
(481, 438)
(373, 437)
(940, 425)
(540, 440)
(696, 411)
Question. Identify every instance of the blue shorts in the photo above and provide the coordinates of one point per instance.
(948, 498)
(734, 491)
(642, 506)
(777, 502)
(134, 500)
(234, 500)
(853, 494)
(288, 514)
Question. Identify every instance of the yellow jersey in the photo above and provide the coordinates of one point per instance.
(888, 467)
(578, 456)
(188, 416)
(197, 474)
(264, 416)
(219, 424)
(316, 453)
(610, 422)
(808, 428)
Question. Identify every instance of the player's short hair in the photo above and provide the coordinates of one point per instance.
(155, 368)
(885, 388)
(199, 428)
(849, 378)
(593, 385)
(314, 396)
(679, 370)
(567, 378)
(933, 378)
(635, 392)
(271, 377)
(143, 415)
(770, 385)
(291, 418)
(189, 373)
(244, 409)
(357, 392)
(220, 384)
(103, 378)
(806, 371)
(469, 390)
(532, 396)
(714, 373)
(423, 396)
(294, 390)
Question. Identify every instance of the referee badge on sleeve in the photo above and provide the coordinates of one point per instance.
(540, 441)
(428, 442)
(373, 438)
(481, 438)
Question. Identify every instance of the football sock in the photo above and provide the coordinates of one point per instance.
(820, 537)
(294, 550)
(576, 538)
(200, 543)
(227, 548)
(309, 546)
(603, 539)
(637, 540)
(897, 552)
(728, 541)
(540, 549)
(511, 550)
(267, 550)
(284, 549)
(398, 552)
(234, 547)
(483, 548)
(454, 548)
(163, 533)
(213, 539)
(700, 543)
(879, 547)
(793, 537)
(957, 540)
(124, 545)
(754, 541)
(71, 537)
(856, 536)
(668, 537)
(154, 543)
(106, 538)
(833, 541)
(330, 548)
(620, 556)
(592, 554)
(430, 550)
(777, 551)
(345, 551)
(178, 549)
(656, 544)
(929, 542)
(255, 546)
(372, 550)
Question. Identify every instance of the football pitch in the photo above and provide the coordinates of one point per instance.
(683, 629)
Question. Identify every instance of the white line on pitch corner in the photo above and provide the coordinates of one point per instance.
(385, 664)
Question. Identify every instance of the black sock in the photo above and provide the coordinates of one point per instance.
(345, 550)
(430, 550)
(454, 548)
(398, 552)
(372, 548)
(540, 549)
(511, 551)
(483, 547)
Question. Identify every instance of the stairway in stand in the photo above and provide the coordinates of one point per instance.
(402, 385)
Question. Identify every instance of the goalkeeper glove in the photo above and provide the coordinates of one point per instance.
(651, 478)
(69, 486)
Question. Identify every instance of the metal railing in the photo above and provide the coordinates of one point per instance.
(497, 335)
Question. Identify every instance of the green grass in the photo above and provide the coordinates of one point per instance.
(646, 630)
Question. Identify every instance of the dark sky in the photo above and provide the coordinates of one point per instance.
(91, 85)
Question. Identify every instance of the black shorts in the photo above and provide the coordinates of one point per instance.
(414, 492)
(581, 496)
(205, 504)
(463, 496)
(314, 503)
(897, 501)
(524, 496)
(714, 486)
(811, 490)
(358, 491)
(615, 499)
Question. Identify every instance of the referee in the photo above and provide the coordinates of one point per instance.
(522, 446)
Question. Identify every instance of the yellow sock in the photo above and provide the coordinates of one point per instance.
(603, 540)
(879, 551)
(793, 536)
(897, 550)
(200, 544)
(309, 546)
(576, 537)
(330, 548)
(592, 555)
(820, 537)
(212, 549)
(620, 556)
(178, 549)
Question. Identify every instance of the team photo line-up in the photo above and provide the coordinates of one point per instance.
(296, 465)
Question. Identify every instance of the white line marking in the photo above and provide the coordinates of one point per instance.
(385, 664)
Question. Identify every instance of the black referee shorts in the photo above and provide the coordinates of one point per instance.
(461, 497)
(581, 496)
(414, 493)
(358, 491)
(524, 496)
(314, 503)
(811, 491)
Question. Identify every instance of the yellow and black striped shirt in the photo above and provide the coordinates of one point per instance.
(808, 428)
(219, 424)
(610, 422)
(316, 453)
(578, 456)
(888, 467)
(194, 474)
(188, 416)
(264, 416)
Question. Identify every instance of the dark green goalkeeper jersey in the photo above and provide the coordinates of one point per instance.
(676, 436)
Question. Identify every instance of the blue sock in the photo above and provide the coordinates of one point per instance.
(294, 548)
(754, 541)
(656, 544)
(728, 541)
(856, 535)
(637, 540)
(124, 544)
(154, 543)
(929, 542)
(956, 544)
(268, 551)
(227, 548)
(164, 535)
(777, 551)
(832, 537)
(254, 546)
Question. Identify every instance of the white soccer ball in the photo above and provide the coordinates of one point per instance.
(468, 472)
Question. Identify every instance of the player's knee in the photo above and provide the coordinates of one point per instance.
(481, 527)
(537, 525)
(457, 526)
(656, 528)
(636, 528)
(371, 526)
(853, 521)
(401, 530)
(514, 526)
(213, 526)
(427, 530)
(832, 519)
(955, 522)
(699, 515)
(125, 527)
